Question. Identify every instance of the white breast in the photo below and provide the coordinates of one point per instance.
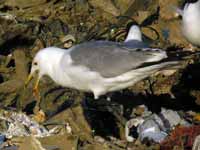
(78, 77)
(191, 23)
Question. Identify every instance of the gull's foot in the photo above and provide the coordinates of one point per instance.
(39, 115)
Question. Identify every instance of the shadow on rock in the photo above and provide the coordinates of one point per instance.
(187, 90)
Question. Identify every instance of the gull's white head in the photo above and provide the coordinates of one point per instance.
(45, 62)
(134, 34)
(40, 63)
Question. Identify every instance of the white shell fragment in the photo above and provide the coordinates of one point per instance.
(155, 126)
(19, 124)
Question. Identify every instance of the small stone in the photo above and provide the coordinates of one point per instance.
(68, 128)
(33, 131)
(155, 136)
(68, 44)
(140, 110)
(131, 124)
(99, 139)
(171, 116)
(67, 38)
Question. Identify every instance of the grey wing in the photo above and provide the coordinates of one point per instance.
(110, 59)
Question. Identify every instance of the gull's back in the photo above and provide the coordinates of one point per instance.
(112, 59)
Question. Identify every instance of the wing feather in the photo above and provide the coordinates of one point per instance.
(111, 59)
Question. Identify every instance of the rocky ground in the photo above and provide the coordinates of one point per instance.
(71, 119)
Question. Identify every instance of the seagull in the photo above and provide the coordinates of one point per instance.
(191, 21)
(134, 38)
(100, 66)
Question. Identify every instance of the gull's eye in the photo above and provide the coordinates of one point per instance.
(35, 63)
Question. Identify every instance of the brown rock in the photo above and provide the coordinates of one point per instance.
(105, 5)
(75, 117)
(21, 63)
(31, 143)
(168, 9)
(123, 5)
(61, 142)
(24, 3)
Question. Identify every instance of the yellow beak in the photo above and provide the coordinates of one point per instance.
(35, 88)
(30, 76)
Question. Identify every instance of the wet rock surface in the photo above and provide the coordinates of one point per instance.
(160, 107)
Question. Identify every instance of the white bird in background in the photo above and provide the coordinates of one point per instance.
(191, 21)
(100, 66)
(134, 38)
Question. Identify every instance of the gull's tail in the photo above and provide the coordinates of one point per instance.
(169, 65)
(163, 66)
(136, 75)
(143, 72)
(174, 61)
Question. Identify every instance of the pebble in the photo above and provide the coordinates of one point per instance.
(154, 126)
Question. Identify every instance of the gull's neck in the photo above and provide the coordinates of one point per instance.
(51, 60)
(56, 71)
